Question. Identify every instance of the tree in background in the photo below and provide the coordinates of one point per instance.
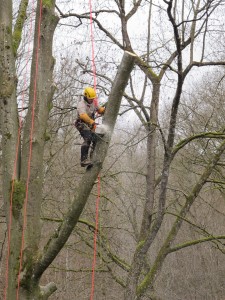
(187, 44)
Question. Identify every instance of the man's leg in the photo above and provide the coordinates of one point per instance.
(86, 134)
(93, 144)
(84, 150)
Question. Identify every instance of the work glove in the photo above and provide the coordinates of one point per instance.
(105, 106)
(93, 126)
(101, 110)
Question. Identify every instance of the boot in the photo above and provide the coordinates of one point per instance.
(86, 163)
(84, 155)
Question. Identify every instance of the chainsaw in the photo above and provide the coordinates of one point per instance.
(101, 129)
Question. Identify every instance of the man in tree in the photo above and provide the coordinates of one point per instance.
(85, 123)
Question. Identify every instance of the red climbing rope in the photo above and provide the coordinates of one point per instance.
(17, 151)
(93, 51)
(30, 148)
(95, 240)
(99, 184)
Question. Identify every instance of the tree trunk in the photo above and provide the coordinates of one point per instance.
(40, 99)
(150, 277)
(9, 129)
(29, 185)
(151, 158)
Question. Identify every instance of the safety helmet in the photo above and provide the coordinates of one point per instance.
(89, 93)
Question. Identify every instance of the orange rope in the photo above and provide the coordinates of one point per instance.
(95, 240)
(99, 184)
(16, 154)
(93, 51)
(30, 150)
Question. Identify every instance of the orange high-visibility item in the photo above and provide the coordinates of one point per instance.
(101, 110)
(86, 119)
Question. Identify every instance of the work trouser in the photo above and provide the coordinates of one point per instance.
(89, 141)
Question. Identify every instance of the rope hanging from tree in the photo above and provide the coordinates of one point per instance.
(99, 183)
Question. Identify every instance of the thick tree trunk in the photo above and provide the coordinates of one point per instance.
(8, 104)
(40, 98)
(151, 158)
(41, 92)
(9, 129)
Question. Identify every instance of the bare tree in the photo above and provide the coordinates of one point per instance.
(189, 22)
(23, 216)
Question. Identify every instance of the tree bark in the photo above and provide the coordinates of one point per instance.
(29, 184)
(151, 158)
(40, 98)
(9, 130)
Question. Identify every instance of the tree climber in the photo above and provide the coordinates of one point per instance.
(85, 123)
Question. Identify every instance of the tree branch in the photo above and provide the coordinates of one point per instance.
(208, 135)
(21, 18)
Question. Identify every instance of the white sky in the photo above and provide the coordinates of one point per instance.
(76, 43)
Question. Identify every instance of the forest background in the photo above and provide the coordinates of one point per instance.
(161, 215)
